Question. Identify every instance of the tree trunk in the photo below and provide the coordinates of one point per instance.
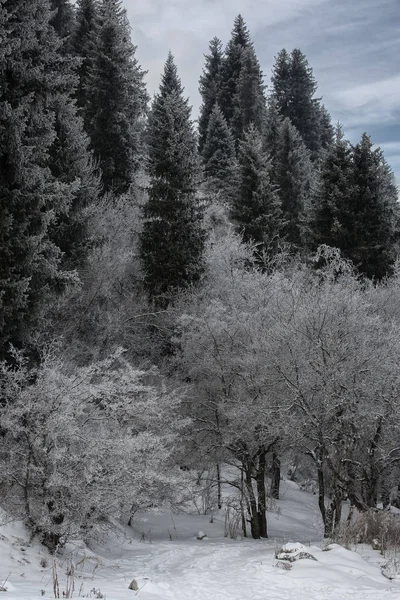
(321, 489)
(252, 502)
(261, 493)
(242, 500)
(333, 513)
(219, 494)
(275, 475)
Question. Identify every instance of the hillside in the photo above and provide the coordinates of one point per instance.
(171, 564)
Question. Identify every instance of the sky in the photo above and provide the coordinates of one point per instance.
(353, 47)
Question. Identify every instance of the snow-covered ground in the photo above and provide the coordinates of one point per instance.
(171, 564)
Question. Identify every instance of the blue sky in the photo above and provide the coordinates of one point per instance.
(353, 47)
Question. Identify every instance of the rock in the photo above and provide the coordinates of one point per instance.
(283, 565)
(201, 535)
(133, 585)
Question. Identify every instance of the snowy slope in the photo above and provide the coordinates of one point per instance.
(171, 564)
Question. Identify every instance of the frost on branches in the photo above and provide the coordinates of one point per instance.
(80, 448)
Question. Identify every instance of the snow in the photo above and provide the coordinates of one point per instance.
(170, 563)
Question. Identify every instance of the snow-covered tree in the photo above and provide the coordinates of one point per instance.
(209, 85)
(172, 239)
(256, 207)
(219, 156)
(80, 447)
(115, 94)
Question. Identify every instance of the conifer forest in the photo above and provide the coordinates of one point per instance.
(185, 296)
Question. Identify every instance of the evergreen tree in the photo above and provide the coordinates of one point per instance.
(84, 43)
(256, 207)
(209, 85)
(241, 96)
(232, 66)
(249, 100)
(117, 100)
(375, 212)
(63, 20)
(31, 198)
(331, 214)
(71, 163)
(293, 176)
(219, 155)
(272, 126)
(172, 239)
(293, 89)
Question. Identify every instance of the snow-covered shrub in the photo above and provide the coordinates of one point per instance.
(371, 527)
(78, 448)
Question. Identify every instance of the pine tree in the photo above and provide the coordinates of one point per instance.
(241, 97)
(84, 43)
(272, 126)
(293, 175)
(293, 89)
(117, 100)
(31, 198)
(219, 155)
(172, 240)
(232, 66)
(375, 212)
(331, 214)
(70, 160)
(209, 85)
(256, 207)
(249, 100)
(71, 163)
(63, 20)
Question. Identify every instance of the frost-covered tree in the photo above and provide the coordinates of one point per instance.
(331, 210)
(83, 447)
(84, 42)
(222, 350)
(115, 94)
(63, 21)
(219, 156)
(241, 95)
(32, 198)
(355, 207)
(249, 99)
(374, 226)
(292, 174)
(293, 89)
(209, 85)
(256, 207)
(172, 239)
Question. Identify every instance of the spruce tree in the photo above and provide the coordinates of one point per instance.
(249, 99)
(256, 207)
(271, 130)
(241, 97)
(375, 212)
(293, 89)
(63, 20)
(209, 86)
(293, 175)
(219, 157)
(331, 211)
(117, 100)
(71, 162)
(172, 239)
(232, 66)
(84, 43)
(31, 198)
